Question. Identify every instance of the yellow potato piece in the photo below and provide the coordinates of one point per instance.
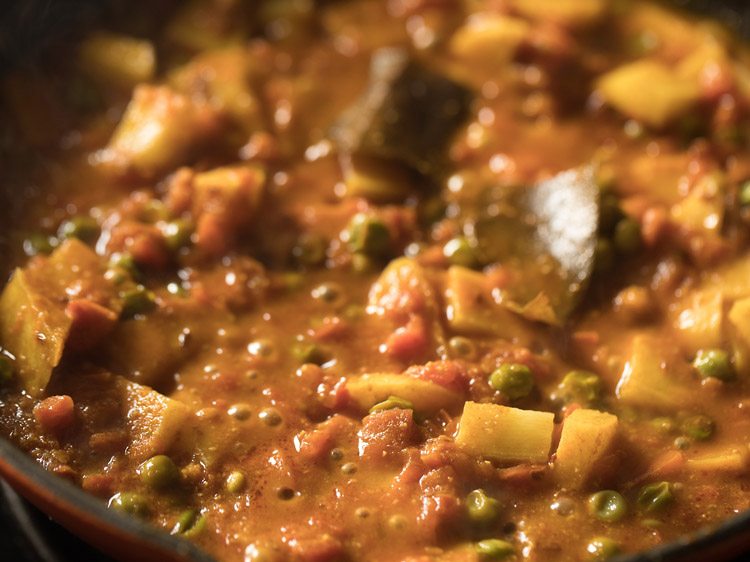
(118, 60)
(650, 92)
(586, 454)
(488, 40)
(656, 377)
(153, 420)
(367, 390)
(571, 13)
(504, 434)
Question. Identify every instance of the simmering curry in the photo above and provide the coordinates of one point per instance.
(386, 280)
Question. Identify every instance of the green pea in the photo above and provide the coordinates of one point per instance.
(310, 249)
(714, 363)
(663, 425)
(369, 235)
(130, 503)
(604, 256)
(137, 301)
(178, 233)
(608, 506)
(700, 427)
(362, 263)
(602, 548)
(655, 497)
(461, 347)
(580, 386)
(235, 482)
(189, 524)
(159, 472)
(82, 227)
(310, 353)
(627, 236)
(154, 211)
(459, 251)
(481, 508)
(494, 549)
(39, 244)
(327, 292)
(745, 194)
(609, 213)
(391, 403)
(513, 379)
(6, 369)
(126, 264)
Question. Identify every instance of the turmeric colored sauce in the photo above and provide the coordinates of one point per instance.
(404, 280)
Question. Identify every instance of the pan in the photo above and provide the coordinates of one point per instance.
(27, 28)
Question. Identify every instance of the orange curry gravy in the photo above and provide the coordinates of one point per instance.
(273, 293)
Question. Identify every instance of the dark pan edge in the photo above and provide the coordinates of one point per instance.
(24, 470)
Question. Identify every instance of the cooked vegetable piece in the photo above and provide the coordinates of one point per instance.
(514, 380)
(471, 308)
(159, 131)
(655, 497)
(579, 387)
(376, 179)
(225, 201)
(650, 92)
(407, 114)
(587, 451)
(159, 472)
(489, 41)
(481, 508)
(732, 462)
(34, 328)
(148, 348)
(546, 235)
(504, 434)
(739, 322)
(714, 363)
(573, 13)
(700, 319)
(495, 549)
(130, 503)
(118, 60)
(224, 78)
(655, 377)
(370, 389)
(38, 316)
(608, 506)
(154, 421)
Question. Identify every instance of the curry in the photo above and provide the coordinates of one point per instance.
(409, 280)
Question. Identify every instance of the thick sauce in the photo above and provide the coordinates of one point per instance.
(483, 295)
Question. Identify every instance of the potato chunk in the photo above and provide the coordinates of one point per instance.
(117, 60)
(159, 131)
(700, 319)
(656, 377)
(471, 308)
(51, 304)
(426, 396)
(34, 329)
(504, 434)
(488, 40)
(650, 92)
(570, 13)
(223, 78)
(586, 453)
(739, 329)
(153, 420)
